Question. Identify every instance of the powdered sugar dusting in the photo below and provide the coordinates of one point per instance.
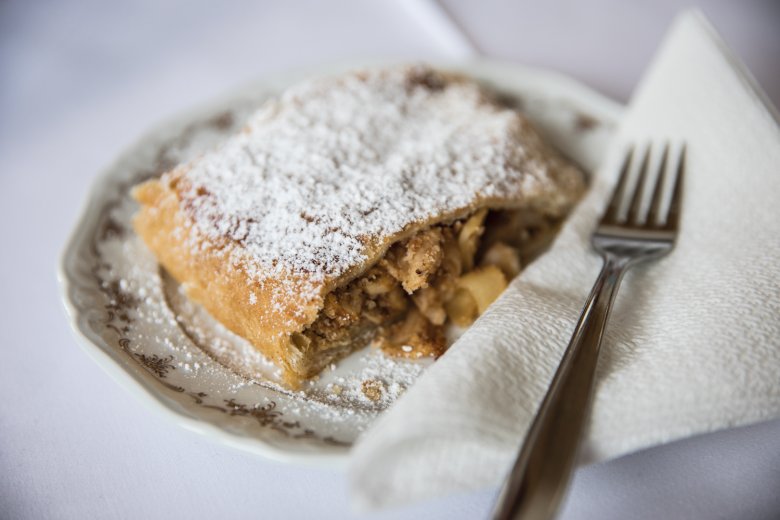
(334, 163)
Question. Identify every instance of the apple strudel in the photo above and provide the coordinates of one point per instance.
(376, 205)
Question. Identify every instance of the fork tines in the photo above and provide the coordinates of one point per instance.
(635, 213)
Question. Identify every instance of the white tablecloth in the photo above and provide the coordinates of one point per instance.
(79, 81)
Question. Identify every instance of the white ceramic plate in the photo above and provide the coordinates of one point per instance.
(134, 321)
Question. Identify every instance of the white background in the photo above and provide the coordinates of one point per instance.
(79, 81)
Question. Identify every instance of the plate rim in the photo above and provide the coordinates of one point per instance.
(141, 387)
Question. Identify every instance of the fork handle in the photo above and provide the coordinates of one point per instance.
(541, 472)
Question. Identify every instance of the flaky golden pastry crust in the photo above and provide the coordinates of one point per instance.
(320, 185)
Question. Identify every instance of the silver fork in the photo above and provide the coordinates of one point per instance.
(537, 482)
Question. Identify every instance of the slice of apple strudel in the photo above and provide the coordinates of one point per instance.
(377, 205)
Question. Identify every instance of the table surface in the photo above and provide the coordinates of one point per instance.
(79, 81)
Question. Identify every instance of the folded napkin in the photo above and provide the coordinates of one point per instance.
(694, 340)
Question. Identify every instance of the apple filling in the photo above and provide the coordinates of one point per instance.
(446, 273)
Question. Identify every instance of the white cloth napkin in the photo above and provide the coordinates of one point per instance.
(694, 340)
